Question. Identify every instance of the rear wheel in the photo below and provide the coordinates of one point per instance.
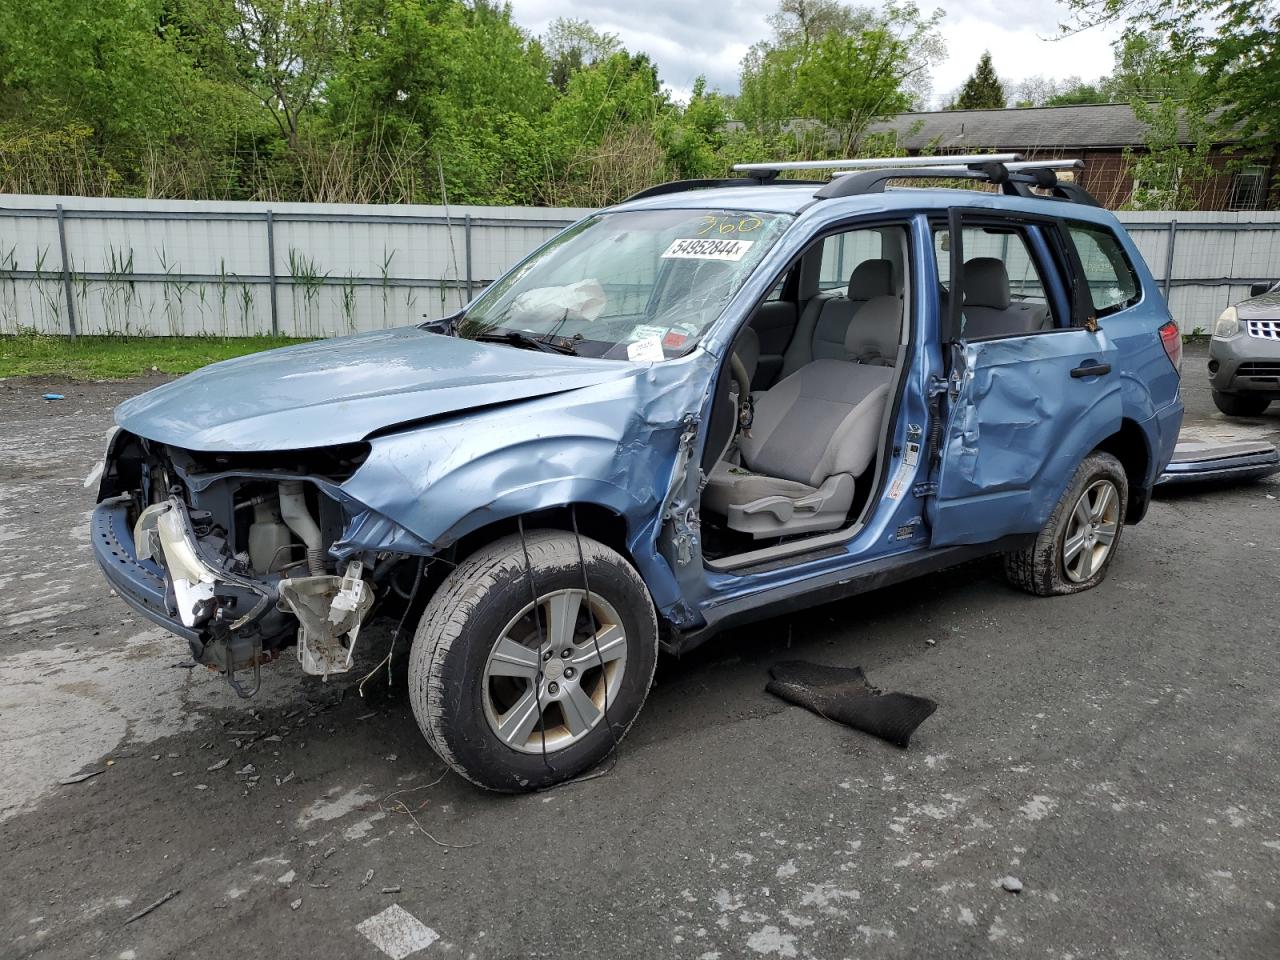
(516, 694)
(1240, 404)
(1074, 549)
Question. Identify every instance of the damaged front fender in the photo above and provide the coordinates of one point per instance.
(614, 445)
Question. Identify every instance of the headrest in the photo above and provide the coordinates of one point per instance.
(986, 283)
(875, 331)
(871, 278)
(747, 347)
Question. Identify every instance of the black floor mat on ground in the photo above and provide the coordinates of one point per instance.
(843, 694)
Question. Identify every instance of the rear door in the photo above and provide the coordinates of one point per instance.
(1029, 387)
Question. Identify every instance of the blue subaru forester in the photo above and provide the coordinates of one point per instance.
(715, 402)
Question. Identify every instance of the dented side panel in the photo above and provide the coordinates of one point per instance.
(1018, 427)
(613, 445)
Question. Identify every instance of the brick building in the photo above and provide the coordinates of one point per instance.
(1099, 134)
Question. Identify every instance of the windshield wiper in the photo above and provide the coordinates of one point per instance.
(517, 338)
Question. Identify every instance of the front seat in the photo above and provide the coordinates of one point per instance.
(813, 434)
(826, 319)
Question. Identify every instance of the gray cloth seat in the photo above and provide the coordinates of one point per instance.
(820, 334)
(989, 309)
(813, 434)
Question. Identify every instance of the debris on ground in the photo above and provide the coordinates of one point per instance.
(395, 889)
(219, 765)
(81, 777)
(53, 396)
(844, 695)
(151, 906)
(296, 904)
(367, 877)
(1012, 884)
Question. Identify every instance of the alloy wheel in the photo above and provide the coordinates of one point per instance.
(553, 670)
(1091, 531)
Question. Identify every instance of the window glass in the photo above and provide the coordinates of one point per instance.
(1004, 292)
(1111, 279)
(629, 285)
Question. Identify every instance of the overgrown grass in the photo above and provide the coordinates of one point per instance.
(118, 358)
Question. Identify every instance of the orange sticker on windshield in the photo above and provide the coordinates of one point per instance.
(674, 340)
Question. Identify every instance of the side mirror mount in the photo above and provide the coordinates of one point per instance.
(1258, 289)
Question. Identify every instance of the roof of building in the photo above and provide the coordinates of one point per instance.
(1078, 126)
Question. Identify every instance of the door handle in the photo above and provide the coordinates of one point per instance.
(1091, 368)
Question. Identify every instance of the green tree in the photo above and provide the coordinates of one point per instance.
(983, 89)
(1173, 169)
(573, 44)
(279, 51)
(897, 41)
(1233, 47)
(847, 82)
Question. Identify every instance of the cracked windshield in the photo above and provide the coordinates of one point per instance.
(638, 286)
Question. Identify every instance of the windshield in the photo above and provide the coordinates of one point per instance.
(640, 286)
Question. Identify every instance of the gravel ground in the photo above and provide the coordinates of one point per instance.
(1113, 751)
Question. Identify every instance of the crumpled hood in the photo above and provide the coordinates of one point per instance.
(340, 391)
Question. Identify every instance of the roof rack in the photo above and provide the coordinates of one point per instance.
(874, 163)
(1015, 176)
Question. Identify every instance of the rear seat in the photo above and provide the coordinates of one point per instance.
(989, 310)
(823, 326)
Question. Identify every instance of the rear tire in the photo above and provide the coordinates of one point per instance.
(1076, 545)
(1240, 404)
(514, 701)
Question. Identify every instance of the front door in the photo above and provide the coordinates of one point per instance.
(1030, 388)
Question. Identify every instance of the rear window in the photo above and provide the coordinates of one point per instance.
(1111, 279)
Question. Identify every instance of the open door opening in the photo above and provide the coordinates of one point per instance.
(795, 466)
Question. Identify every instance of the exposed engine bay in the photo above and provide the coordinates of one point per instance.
(242, 543)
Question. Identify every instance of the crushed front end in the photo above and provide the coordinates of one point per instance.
(231, 551)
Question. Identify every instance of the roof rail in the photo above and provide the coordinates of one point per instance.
(874, 163)
(679, 186)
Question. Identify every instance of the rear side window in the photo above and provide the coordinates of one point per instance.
(1112, 282)
(1004, 291)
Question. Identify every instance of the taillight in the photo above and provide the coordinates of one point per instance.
(1171, 339)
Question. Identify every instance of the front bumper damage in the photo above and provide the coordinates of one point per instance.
(175, 566)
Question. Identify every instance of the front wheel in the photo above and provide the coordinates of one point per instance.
(1240, 404)
(525, 673)
(1074, 549)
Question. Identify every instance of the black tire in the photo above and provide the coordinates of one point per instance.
(463, 622)
(1240, 404)
(1041, 568)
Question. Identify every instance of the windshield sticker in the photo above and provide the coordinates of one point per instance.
(673, 340)
(696, 249)
(646, 331)
(647, 350)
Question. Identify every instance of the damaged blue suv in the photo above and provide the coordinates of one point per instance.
(714, 402)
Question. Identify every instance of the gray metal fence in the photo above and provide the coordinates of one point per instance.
(1206, 260)
(155, 267)
(148, 267)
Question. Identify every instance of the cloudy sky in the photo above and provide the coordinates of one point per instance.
(710, 37)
